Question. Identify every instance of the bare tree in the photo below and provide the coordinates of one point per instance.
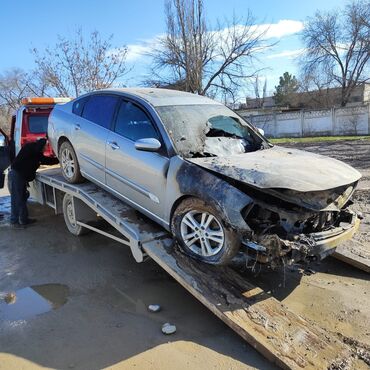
(316, 91)
(338, 46)
(74, 66)
(260, 95)
(15, 84)
(202, 60)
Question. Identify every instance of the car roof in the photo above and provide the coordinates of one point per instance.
(164, 97)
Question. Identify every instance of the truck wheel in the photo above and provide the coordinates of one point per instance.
(202, 233)
(70, 217)
(68, 160)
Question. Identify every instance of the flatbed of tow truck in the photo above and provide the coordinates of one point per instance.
(282, 336)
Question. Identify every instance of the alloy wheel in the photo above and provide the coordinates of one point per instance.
(68, 163)
(202, 233)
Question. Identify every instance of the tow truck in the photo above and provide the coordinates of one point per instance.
(279, 334)
(28, 124)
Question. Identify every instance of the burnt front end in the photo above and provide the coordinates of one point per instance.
(290, 226)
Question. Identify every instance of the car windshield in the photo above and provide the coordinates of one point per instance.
(209, 131)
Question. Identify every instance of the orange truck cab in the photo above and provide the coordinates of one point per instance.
(29, 124)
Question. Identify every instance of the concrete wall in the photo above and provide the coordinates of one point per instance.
(335, 121)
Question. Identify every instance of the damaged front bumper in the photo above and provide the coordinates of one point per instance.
(276, 252)
(327, 241)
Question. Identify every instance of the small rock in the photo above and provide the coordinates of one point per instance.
(154, 307)
(10, 298)
(168, 328)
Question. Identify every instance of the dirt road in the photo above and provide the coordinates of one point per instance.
(98, 316)
(87, 308)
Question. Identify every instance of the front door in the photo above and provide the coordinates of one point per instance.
(135, 175)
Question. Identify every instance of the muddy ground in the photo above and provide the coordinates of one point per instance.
(357, 154)
(87, 308)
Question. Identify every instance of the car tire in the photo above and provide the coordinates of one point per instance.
(70, 218)
(203, 235)
(69, 163)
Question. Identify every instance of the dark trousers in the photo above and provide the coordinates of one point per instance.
(19, 195)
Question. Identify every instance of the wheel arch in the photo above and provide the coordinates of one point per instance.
(61, 140)
(178, 202)
(194, 181)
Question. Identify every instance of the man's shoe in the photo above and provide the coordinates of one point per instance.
(17, 226)
(28, 222)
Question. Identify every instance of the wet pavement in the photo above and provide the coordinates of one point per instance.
(32, 301)
(102, 319)
(89, 303)
(4, 209)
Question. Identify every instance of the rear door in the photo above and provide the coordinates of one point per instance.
(136, 175)
(91, 130)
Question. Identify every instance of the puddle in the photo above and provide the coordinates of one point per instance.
(4, 209)
(32, 301)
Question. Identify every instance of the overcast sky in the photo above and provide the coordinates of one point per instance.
(25, 24)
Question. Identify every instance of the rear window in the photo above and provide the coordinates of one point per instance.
(100, 109)
(78, 106)
(38, 124)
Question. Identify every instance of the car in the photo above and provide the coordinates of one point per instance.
(206, 175)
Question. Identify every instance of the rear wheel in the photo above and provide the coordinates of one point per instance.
(70, 217)
(69, 163)
(202, 233)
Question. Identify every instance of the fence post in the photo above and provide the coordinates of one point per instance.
(275, 126)
(302, 121)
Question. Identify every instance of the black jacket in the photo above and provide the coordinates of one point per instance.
(29, 159)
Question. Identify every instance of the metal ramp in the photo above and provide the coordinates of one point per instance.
(283, 337)
(134, 228)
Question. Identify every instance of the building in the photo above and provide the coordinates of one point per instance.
(317, 99)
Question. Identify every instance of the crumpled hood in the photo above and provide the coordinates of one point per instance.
(285, 168)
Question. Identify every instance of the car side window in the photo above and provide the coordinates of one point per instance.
(100, 109)
(78, 105)
(133, 123)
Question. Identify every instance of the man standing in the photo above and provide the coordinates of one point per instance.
(23, 170)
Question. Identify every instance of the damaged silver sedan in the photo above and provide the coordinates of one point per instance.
(202, 172)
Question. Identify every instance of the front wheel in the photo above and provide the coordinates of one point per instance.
(69, 163)
(202, 233)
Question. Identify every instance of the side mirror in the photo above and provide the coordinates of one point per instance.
(261, 131)
(148, 145)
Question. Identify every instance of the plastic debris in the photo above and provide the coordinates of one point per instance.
(168, 328)
(154, 307)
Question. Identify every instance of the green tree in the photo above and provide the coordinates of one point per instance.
(286, 90)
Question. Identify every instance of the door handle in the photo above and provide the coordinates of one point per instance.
(77, 127)
(113, 145)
